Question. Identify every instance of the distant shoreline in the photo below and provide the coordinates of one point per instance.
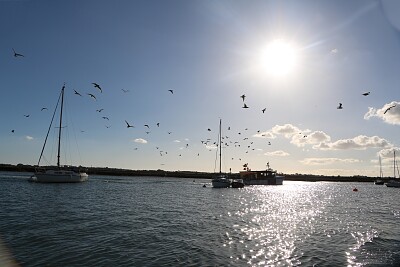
(195, 174)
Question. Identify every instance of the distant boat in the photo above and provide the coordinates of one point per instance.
(220, 180)
(267, 177)
(380, 181)
(59, 174)
(237, 183)
(395, 182)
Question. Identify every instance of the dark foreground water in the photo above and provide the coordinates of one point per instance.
(141, 221)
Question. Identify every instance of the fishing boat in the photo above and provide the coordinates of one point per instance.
(380, 180)
(265, 177)
(220, 180)
(395, 182)
(58, 174)
(237, 183)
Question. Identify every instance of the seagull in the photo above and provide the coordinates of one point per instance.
(17, 54)
(146, 125)
(75, 92)
(128, 125)
(209, 129)
(125, 91)
(100, 110)
(106, 118)
(27, 116)
(243, 97)
(12, 131)
(389, 108)
(172, 91)
(108, 126)
(366, 93)
(98, 87)
(158, 124)
(245, 106)
(263, 110)
(43, 109)
(91, 95)
(340, 106)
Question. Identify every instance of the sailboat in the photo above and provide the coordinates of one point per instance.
(380, 181)
(394, 182)
(220, 180)
(59, 174)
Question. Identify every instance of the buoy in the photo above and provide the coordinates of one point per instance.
(355, 189)
(204, 185)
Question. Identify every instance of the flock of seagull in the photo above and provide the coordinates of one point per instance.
(207, 142)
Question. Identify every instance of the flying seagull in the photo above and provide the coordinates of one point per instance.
(100, 110)
(366, 93)
(43, 109)
(245, 106)
(106, 118)
(146, 125)
(125, 91)
(12, 131)
(389, 108)
(172, 91)
(98, 87)
(158, 124)
(243, 97)
(91, 95)
(263, 110)
(75, 92)
(128, 125)
(340, 106)
(17, 54)
(27, 116)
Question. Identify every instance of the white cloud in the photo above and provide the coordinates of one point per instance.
(177, 141)
(392, 115)
(325, 161)
(360, 142)
(313, 138)
(278, 153)
(334, 51)
(388, 152)
(288, 130)
(28, 137)
(140, 140)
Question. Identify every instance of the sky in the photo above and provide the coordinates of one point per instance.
(296, 60)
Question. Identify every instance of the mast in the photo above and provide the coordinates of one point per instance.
(394, 163)
(220, 152)
(59, 129)
(380, 167)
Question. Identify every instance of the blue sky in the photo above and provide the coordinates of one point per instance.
(210, 53)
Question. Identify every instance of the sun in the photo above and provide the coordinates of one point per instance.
(279, 58)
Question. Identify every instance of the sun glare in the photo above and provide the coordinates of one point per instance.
(279, 58)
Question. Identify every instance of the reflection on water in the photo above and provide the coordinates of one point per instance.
(139, 221)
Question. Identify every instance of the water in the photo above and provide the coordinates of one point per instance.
(149, 221)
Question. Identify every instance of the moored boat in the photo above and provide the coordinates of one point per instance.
(60, 174)
(265, 177)
(237, 183)
(221, 180)
(395, 182)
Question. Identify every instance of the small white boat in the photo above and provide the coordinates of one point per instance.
(59, 174)
(220, 180)
(395, 182)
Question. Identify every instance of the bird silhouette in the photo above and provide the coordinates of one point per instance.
(243, 97)
(263, 110)
(125, 91)
(209, 129)
(98, 87)
(108, 126)
(93, 96)
(27, 116)
(245, 106)
(43, 109)
(172, 91)
(17, 54)
(340, 106)
(146, 125)
(106, 118)
(100, 110)
(158, 124)
(389, 108)
(128, 125)
(12, 131)
(75, 92)
(366, 93)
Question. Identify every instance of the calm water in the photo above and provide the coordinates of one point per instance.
(138, 221)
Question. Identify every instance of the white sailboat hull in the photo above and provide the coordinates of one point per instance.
(60, 176)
